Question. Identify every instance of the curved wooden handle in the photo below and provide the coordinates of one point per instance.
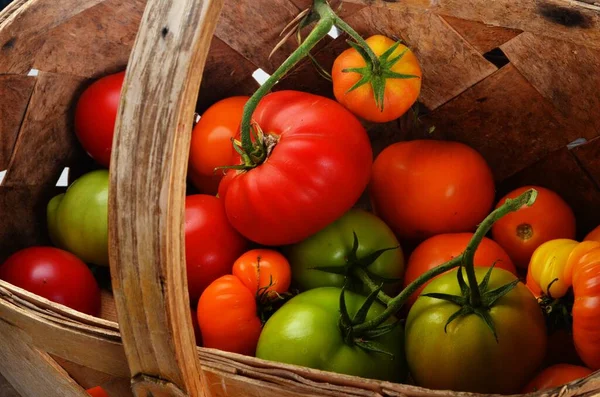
(147, 195)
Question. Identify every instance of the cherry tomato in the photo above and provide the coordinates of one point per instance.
(96, 114)
(443, 247)
(522, 231)
(263, 268)
(211, 145)
(97, 392)
(426, 187)
(54, 274)
(556, 375)
(399, 93)
(211, 244)
(594, 235)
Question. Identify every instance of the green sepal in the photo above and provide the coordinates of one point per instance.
(381, 279)
(457, 300)
(484, 314)
(373, 256)
(381, 330)
(486, 279)
(490, 297)
(341, 270)
(373, 347)
(463, 311)
(361, 314)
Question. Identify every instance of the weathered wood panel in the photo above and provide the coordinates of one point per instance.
(481, 36)
(589, 157)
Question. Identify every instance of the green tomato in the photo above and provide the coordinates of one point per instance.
(78, 219)
(305, 332)
(467, 357)
(332, 246)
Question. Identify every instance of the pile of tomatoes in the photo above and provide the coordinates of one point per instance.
(280, 263)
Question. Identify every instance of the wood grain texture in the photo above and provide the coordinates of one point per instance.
(564, 73)
(589, 158)
(108, 308)
(6, 389)
(505, 119)
(15, 92)
(34, 373)
(88, 378)
(46, 142)
(481, 36)
(562, 19)
(147, 182)
(445, 73)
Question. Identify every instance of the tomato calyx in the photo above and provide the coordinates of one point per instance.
(557, 310)
(254, 152)
(268, 301)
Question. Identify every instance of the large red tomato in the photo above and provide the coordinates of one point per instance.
(56, 275)
(443, 247)
(318, 168)
(96, 114)
(426, 187)
(211, 244)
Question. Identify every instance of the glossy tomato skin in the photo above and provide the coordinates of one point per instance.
(556, 375)
(211, 145)
(78, 219)
(400, 94)
(304, 331)
(467, 357)
(522, 231)
(211, 243)
(332, 246)
(96, 114)
(315, 173)
(227, 315)
(97, 392)
(594, 235)
(439, 249)
(258, 268)
(426, 187)
(54, 274)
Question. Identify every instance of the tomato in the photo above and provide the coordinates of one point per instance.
(399, 93)
(594, 235)
(211, 143)
(332, 247)
(521, 232)
(78, 218)
(556, 375)
(305, 331)
(96, 115)
(467, 357)
(545, 274)
(426, 187)
(56, 275)
(97, 392)
(316, 171)
(440, 249)
(211, 244)
(263, 268)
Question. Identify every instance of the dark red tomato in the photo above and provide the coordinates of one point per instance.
(317, 170)
(211, 244)
(56, 275)
(96, 114)
(556, 375)
(97, 392)
(443, 247)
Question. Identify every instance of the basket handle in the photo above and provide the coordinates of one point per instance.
(147, 195)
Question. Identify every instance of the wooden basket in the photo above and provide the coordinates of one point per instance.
(518, 80)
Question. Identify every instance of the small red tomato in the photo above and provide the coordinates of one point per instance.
(263, 268)
(211, 243)
(522, 231)
(556, 375)
(97, 392)
(96, 115)
(56, 275)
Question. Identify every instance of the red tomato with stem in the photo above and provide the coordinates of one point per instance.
(423, 188)
(556, 375)
(96, 115)
(522, 231)
(439, 249)
(56, 275)
(263, 268)
(318, 161)
(211, 145)
(211, 244)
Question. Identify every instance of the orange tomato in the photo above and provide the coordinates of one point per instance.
(211, 145)
(443, 247)
(263, 269)
(399, 94)
(556, 375)
(522, 231)
(594, 235)
(97, 392)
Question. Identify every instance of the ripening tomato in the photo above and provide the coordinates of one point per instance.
(211, 145)
(96, 115)
(317, 166)
(97, 392)
(260, 268)
(398, 83)
(56, 275)
(594, 235)
(439, 249)
(546, 270)
(426, 187)
(522, 231)
(556, 375)
(211, 244)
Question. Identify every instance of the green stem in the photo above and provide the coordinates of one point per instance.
(340, 23)
(366, 280)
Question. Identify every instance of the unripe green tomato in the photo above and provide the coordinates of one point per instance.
(78, 219)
